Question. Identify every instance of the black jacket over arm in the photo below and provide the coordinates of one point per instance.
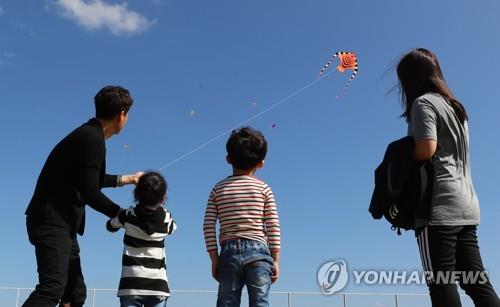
(72, 177)
(402, 180)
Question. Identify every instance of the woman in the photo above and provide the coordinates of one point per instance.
(447, 239)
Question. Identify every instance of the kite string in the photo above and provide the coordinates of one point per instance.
(276, 104)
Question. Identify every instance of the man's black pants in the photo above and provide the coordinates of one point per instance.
(59, 272)
(450, 255)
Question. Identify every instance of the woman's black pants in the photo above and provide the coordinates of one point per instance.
(450, 256)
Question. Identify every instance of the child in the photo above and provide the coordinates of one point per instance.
(144, 278)
(249, 232)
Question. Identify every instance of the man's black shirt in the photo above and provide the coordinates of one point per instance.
(72, 177)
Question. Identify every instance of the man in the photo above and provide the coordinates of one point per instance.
(72, 177)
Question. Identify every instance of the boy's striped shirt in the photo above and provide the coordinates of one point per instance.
(143, 261)
(245, 208)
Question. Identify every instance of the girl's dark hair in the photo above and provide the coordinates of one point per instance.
(246, 147)
(419, 73)
(150, 190)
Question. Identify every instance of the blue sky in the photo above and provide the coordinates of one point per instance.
(215, 58)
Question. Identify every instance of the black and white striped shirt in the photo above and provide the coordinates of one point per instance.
(143, 262)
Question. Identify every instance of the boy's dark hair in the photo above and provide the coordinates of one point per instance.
(110, 101)
(246, 147)
(150, 189)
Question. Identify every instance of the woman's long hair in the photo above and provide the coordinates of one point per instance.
(419, 73)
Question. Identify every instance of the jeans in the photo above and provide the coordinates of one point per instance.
(454, 249)
(244, 262)
(59, 271)
(143, 300)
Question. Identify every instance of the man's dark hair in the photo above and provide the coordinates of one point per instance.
(246, 147)
(150, 189)
(111, 101)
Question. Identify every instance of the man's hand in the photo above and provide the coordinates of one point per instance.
(131, 179)
(214, 257)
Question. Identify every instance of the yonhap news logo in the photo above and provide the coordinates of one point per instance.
(333, 276)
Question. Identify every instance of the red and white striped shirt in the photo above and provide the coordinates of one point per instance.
(245, 208)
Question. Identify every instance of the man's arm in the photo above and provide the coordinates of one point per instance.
(114, 224)
(113, 181)
(87, 179)
(110, 181)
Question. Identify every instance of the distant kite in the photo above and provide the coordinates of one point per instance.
(348, 60)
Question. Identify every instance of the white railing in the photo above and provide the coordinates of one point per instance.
(340, 299)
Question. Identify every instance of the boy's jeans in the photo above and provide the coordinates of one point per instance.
(244, 262)
(143, 300)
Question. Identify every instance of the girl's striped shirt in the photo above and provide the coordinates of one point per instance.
(245, 208)
(143, 261)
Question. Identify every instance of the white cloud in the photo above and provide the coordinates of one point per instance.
(97, 14)
(8, 54)
(25, 28)
(6, 57)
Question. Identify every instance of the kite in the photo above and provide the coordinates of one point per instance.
(348, 60)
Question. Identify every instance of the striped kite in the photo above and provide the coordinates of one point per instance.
(348, 60)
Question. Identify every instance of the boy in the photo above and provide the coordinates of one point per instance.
(249, 232)
(144, 277)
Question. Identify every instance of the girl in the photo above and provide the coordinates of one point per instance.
(144, 277)
(447, 239)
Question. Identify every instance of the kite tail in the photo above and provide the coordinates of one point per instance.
(325, 67)
(344, 91)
